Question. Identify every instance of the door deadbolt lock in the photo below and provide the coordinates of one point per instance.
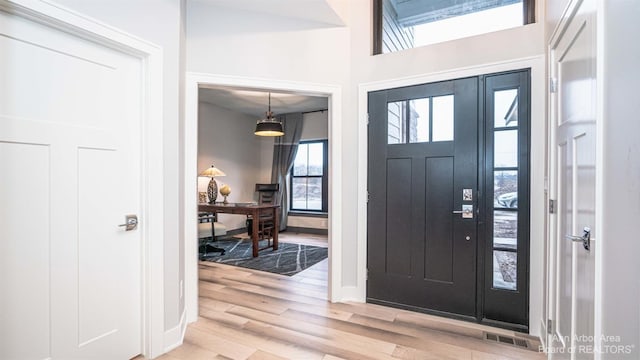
(131, 222)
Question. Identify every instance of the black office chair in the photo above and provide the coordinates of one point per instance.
(267, 194)
(208, 231)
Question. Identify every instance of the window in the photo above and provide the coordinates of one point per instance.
(505, 188)
(420, 120)
(309, 187)
(405, 24)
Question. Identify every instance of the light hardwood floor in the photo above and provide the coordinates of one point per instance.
(248, 314)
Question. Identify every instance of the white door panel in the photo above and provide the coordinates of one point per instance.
(573, 176)
(70, 115)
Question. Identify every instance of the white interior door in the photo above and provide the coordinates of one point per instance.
(70, 115)
(573, 65)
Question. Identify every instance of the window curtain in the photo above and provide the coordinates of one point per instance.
(284, 152)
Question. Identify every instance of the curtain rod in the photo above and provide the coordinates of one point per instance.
(309, 112)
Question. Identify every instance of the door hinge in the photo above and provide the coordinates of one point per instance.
(549, 325)
(366, 275)
(553, 85)
(552, 206)
(367, 119)
(367, 196)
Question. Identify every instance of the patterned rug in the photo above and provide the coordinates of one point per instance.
(288, 260)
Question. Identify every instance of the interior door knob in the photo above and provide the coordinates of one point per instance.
(585, 238)
(131, 222)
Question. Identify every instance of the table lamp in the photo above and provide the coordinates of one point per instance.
(212, 189)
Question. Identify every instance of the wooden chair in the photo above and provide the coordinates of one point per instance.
(267, 194)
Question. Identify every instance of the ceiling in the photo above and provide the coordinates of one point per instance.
(255, 103)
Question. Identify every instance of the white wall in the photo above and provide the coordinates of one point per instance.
(157, 21)
(618, 283)
(226, 139)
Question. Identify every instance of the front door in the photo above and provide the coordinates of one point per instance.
(573, 176)
(448, 223)
(423, 181)
(70, 277)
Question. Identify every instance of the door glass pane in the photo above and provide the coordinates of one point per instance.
(419, 120)
(299, 193)
(505, 189)
(505, 108)
(300, 162)
(395, 122)
(505, 229)
(443, 118)
(315, 158)
(314, 193)
(505, 148)
(505, 270)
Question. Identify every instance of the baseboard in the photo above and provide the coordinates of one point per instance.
(305, 230)
(175, 336)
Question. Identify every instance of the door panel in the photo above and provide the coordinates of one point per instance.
(438, 254)
(419, 256)
(573, 179)
(72, 111)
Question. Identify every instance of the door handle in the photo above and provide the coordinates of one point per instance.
(131, 222)
(585, 238)
(466, 212)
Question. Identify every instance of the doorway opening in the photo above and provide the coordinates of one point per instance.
(332, 96)
(448, 212)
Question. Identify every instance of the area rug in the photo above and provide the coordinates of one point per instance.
(288, 260)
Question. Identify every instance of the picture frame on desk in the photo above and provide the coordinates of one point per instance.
(202, 197)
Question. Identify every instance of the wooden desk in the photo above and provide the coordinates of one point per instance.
(249, 209)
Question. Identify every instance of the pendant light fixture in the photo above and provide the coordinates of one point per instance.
(269, 126)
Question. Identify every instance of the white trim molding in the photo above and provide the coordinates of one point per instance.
(195, 81)
(151, 224)
(538, 138)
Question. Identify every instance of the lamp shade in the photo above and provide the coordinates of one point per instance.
(269, 128)
(212, 171)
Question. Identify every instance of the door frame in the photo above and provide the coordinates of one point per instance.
(193, 82)
(537, 64)
(151, 207)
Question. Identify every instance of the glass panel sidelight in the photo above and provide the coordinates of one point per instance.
(505, 144)
(505, 230)
(506, 108)
(505, 189)
(505, 273)
(443, 118)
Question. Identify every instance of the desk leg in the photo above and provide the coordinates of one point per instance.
(254, 232)
(276, 228)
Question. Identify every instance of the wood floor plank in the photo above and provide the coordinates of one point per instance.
(320, 334)
(248, 314)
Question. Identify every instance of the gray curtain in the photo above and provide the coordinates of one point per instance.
(284, 152)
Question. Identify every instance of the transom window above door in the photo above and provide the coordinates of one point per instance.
(427, 119)
(405, 24)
